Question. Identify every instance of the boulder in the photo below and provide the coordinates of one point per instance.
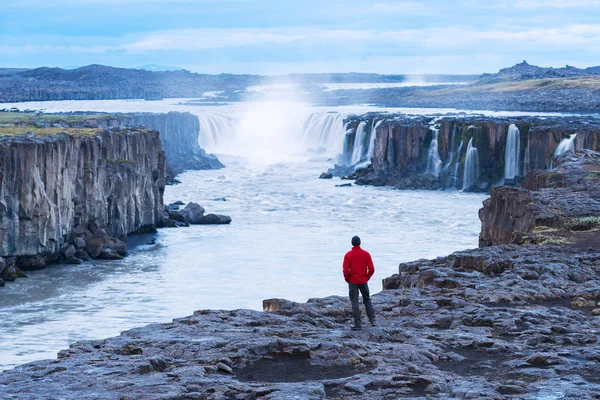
(109, 254)
(94, 246)
(193, 213)
(214, 219)
(117, 245)
(326, 175)
(79, 243)
(74, 261)
(68, 251)
(31, 263)
(11, 273)
(2, 282)
(82, 255)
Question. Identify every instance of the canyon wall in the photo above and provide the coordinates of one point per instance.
(416, 152)
(178, 133)
(50, 184)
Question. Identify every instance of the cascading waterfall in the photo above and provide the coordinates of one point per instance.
(212, 129)
(565, 145)
(264, 133)
(456, 165)
(359, 142)
(371, 150)
(511, 154)
(471, 172)
(434, 162)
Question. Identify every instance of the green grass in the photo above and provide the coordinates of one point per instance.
(19, 123)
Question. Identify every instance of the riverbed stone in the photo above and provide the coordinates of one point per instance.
(213, 219)
(109, 254)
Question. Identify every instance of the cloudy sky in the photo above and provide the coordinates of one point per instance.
(286, 36)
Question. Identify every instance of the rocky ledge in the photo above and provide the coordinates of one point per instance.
(500, 322)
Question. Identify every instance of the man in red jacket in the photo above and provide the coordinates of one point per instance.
(358, 269)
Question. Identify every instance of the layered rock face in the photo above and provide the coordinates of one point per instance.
(49, 184)
(432, 153)
(562, 204)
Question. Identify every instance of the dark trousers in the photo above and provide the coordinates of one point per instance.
(364, 290)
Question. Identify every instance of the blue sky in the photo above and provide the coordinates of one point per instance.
(281, 36)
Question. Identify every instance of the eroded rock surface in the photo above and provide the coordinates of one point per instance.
(562, 205)
(499, 322)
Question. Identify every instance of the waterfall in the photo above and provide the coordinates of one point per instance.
(452, 152)
(261, 132)
(457, 163)
(434, 162)
(213, 128)
(371, 150)
(511, 155)
(567, 144)
(359, 141)
(471, 172)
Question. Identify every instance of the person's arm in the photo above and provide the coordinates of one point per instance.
(371, 267)
(346, 268)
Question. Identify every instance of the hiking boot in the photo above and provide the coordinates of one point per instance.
(356, 328)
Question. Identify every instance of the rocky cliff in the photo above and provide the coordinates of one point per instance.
(432, 152)
(562, 205)
(51, 183)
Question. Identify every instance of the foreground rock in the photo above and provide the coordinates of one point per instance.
(499, 322)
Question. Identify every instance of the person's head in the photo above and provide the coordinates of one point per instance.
(355, 241)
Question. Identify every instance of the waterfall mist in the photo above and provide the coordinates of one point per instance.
(276, 126)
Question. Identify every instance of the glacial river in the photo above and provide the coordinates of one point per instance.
(289, 233)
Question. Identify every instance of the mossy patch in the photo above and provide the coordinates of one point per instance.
(23, 129)
(583, 224)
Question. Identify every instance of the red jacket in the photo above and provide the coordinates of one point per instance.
(358, 266)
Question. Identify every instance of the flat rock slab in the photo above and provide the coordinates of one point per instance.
(496, 332)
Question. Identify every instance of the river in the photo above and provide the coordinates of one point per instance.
(289, 233)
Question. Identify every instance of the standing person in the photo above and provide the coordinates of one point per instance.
(358, 269)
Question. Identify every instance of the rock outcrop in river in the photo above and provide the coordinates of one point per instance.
(499, 322)
(70, 190)
(472, 153)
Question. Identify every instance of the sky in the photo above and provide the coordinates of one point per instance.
(287, 36)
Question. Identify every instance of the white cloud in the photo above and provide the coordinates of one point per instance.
(556, 3)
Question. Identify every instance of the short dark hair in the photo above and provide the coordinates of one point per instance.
(355, 241)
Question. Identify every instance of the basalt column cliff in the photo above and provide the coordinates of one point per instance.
(62, 187)
(469, 153)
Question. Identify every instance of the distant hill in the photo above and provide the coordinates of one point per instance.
(158, 68)
(524, 71)
(11, 71)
